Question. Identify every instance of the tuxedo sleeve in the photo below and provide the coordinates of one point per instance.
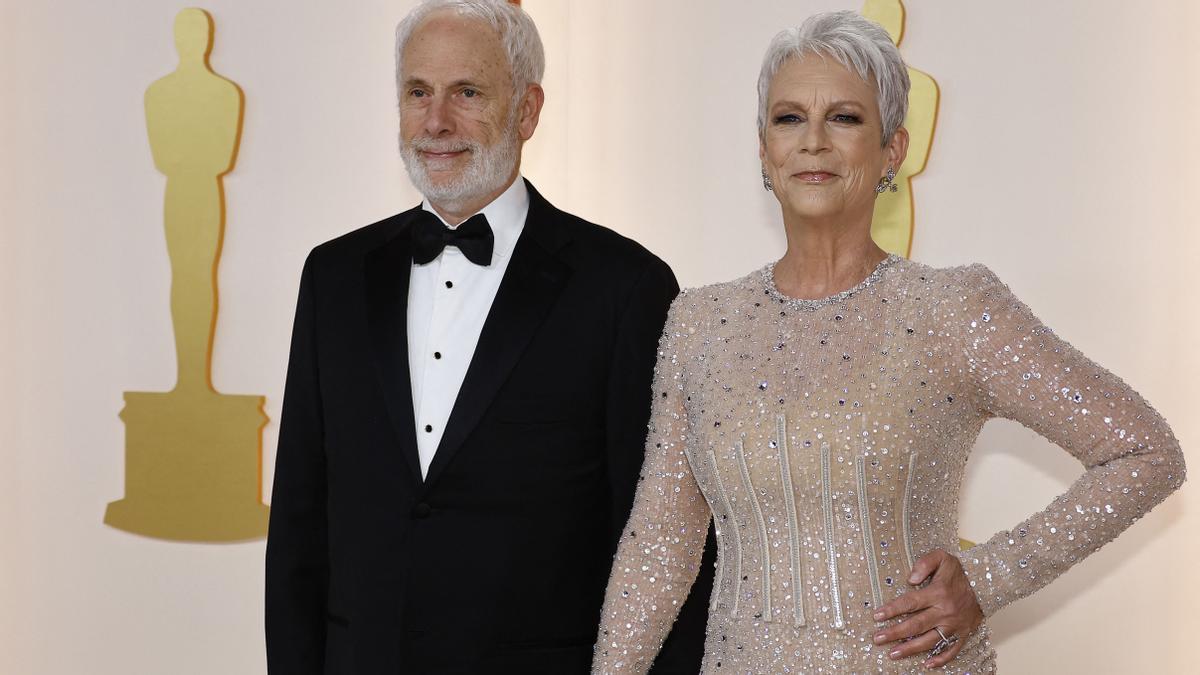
(297, 562)
(629, 400)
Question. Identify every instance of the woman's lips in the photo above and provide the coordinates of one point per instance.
(815, 176)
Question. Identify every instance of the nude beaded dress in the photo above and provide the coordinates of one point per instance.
(828, 440)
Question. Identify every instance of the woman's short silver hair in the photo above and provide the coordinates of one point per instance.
(518, 34)
(860, 45)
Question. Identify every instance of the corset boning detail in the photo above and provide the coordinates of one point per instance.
(821, 540)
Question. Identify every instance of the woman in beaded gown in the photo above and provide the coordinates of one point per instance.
(827, 438)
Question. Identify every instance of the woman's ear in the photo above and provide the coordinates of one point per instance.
(897, 149)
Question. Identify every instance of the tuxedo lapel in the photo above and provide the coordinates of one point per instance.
(531, 285)
(387, 270)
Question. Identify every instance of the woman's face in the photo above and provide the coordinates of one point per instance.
(821, 146)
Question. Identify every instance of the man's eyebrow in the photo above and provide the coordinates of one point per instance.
(417, 81)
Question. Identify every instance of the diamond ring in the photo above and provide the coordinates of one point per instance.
(944, 643)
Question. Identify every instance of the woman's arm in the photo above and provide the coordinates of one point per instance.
(659, 552)
(1024, 372)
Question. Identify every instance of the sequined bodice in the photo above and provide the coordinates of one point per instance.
(829, 439)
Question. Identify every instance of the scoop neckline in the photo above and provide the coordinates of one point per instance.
(807, 304)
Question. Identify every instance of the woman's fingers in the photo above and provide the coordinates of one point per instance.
(921, 644)
(918, 621)
(908, 603)
(927, 565)
(947, 602)
(947, 656)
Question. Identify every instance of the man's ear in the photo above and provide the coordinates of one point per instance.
(530, 111)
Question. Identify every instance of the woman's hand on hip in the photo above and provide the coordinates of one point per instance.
(947, 604)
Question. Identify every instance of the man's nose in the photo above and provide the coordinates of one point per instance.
(439, 119)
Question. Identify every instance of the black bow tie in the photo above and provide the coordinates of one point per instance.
(473, 237)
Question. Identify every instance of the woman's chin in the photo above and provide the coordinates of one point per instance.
(812, 205)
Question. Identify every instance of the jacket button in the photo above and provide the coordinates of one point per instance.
(422, 510)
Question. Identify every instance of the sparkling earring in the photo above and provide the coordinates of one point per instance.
(888, 182)
(767, 184)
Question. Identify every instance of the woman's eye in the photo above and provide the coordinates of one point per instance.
(788, 119)
(846, 118)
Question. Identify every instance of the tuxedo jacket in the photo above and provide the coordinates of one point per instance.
(498, 560)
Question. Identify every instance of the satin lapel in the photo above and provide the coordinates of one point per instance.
(387, 270)
(532, 283)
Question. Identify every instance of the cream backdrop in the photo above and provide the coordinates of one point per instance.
(1065, 158)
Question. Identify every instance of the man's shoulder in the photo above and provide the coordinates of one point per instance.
(606, 240)
(352, 245)
(603, 245)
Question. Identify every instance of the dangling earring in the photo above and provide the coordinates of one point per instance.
(888, 182)
(767, 184)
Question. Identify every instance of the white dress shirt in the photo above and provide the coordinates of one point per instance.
(448, 301)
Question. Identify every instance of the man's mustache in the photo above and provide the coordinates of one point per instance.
(444, 145)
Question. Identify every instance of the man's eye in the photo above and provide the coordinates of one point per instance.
(470, 93)
(416, 93)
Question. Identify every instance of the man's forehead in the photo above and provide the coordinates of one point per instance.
(454, 46)
(447, 23)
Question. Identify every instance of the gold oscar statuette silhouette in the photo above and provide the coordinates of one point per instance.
(193, 456)
(893, 225)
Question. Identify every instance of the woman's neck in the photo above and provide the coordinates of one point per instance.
(821, 261)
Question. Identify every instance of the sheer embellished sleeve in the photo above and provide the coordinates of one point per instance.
(659, 552)
(1024, 372)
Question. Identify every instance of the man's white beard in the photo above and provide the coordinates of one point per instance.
(487, 170)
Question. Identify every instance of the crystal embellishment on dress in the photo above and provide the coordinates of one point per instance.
(737, 541)
(864, 515)
(789, 497)
(762, 533)
(896, 374)
(904, 517)
(812, 305)
(835, 590)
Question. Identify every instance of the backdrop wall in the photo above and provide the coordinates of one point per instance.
(1065, 159)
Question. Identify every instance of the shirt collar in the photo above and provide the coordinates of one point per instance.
(506, 216)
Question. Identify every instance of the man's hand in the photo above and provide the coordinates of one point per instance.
(948, 603)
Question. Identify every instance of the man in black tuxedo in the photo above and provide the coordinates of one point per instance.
(467, 397)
